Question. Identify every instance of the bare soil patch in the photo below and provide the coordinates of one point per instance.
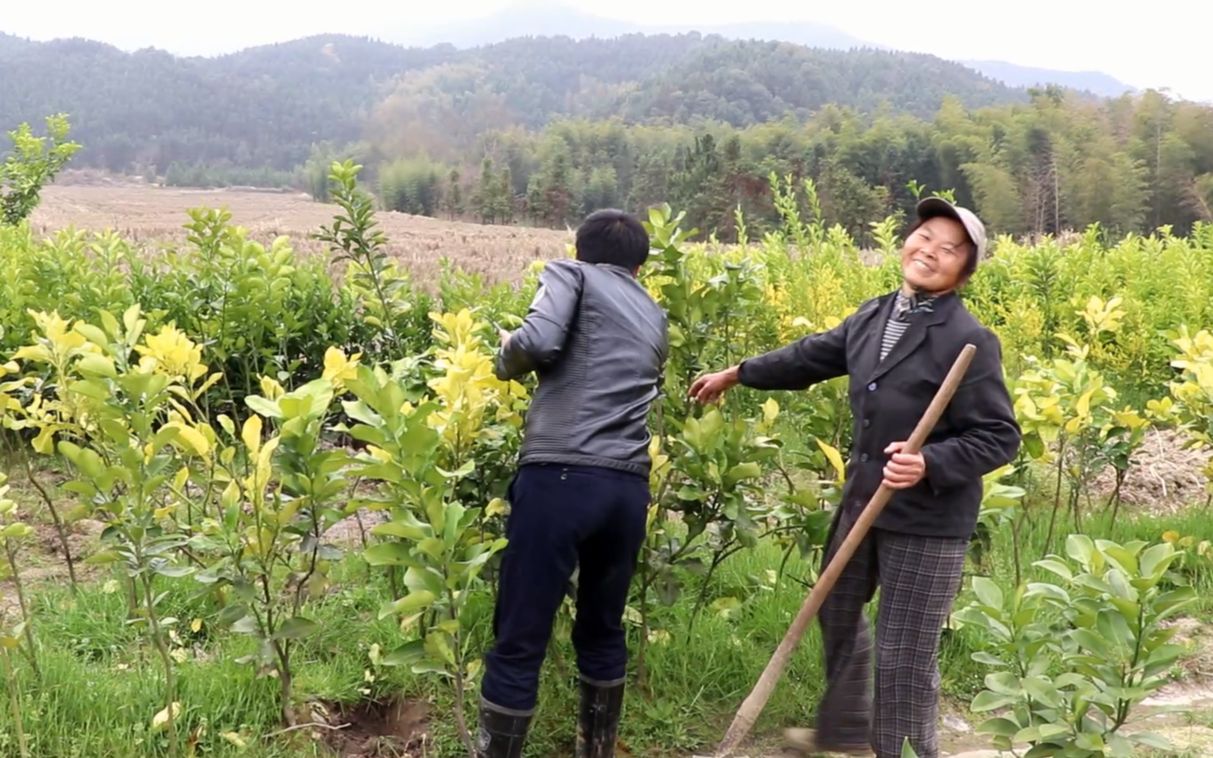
(153, 216)
(391, 729)
(1165, 477)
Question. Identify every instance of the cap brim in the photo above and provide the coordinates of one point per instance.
(937, 206)
(933, 207)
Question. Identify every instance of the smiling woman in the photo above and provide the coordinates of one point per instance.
(942, 248)
(896, 349)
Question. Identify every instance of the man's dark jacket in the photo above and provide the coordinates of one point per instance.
(976, 434)
(598, 343)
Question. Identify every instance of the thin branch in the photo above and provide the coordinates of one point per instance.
(309, 725)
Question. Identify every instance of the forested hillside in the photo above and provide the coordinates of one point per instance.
(266, 106)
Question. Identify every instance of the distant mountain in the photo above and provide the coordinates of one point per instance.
(260, 107)
(267, 106)
(553, 19)
(522, 21)
(1094, 82)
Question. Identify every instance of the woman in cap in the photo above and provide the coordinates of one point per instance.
(896, 349)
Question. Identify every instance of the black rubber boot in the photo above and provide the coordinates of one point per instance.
(501, 732)
(598, 723)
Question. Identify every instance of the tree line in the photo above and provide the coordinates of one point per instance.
(1058, 162)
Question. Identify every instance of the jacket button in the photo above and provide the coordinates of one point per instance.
(867, 422)
(863, 458)
(872, 387)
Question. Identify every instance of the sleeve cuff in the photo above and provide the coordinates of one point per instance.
(934, 474)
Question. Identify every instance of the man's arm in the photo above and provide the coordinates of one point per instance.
(982, 408)
(542, 336)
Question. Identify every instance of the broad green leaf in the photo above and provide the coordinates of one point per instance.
(463, 471)
(1042, 690)
(94, 389)
(986, 659)
(999, 726)
(1157, 559)
(990, 701)
(400, 529)
(295, 628)
(1004, 683)
(410, 603)
(1122, 556)
(438, 648)
(262, 406)
(405, 655)
(987, 592)
(1057, 567)
(1081, 548)
(97, 365)
(388, 554)
(742, 472)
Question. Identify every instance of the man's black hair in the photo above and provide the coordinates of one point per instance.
(612, 236)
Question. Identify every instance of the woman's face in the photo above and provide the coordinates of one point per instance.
(934, 256)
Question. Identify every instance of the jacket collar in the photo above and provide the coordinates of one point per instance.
(870, 366)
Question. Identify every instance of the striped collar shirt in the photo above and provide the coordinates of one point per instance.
(899, 319)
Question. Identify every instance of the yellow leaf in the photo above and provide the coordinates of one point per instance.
(234, 739)
(271, 389)
(196, 625)
(1084, 403)
(34, 353)
(45, 441)
(496, 507)
(210, 382)
(770, 411)
(835, 459)
(338, 368)
(193, 439)
(181, 478)
(160, 720)
(251, 434)
(263, 462)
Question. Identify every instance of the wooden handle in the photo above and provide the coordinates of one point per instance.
(757, 699)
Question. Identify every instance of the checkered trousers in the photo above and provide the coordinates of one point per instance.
(918, 579)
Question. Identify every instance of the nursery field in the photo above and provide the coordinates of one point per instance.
(255, 463)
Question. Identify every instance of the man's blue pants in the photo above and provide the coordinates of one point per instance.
(564, 517)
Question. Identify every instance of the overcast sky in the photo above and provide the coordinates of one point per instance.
(1153, 44)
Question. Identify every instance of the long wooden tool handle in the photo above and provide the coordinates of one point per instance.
(757, 699)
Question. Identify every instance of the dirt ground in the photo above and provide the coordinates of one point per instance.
(151, 215)
(1166, 476)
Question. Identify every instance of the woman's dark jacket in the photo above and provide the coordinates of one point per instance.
(976, 434)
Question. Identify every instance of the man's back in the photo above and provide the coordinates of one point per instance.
(580, 498)
(598, 343)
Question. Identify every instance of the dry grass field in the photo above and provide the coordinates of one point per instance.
(153, 216)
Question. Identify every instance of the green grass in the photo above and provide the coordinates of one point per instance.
(101, 684)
